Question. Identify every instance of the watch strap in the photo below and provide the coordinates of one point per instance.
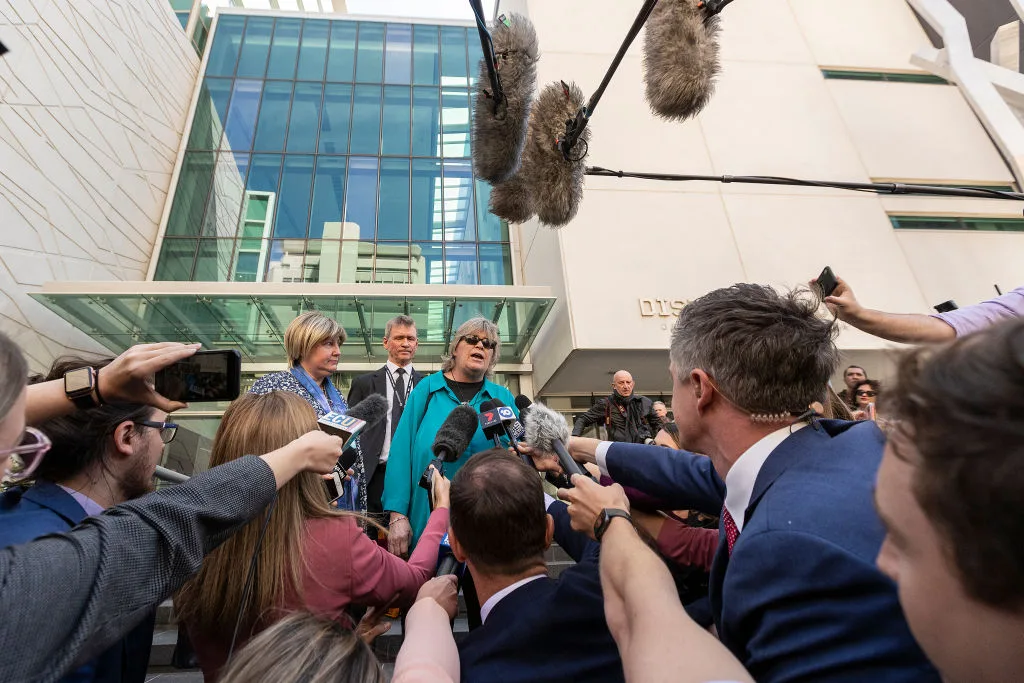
(605, 520)
(84, 397)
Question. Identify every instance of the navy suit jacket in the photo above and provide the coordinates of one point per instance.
(549, 629)
(800, 599)
(45, 508)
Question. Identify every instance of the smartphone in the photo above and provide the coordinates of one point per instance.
(335, 486)
(204, 376)
(945, 306)
(827, 282)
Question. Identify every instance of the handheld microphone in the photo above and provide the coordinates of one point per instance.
(547, 431)
(561, 481)
(490, 422)
(681, 57)
(448, 564)
(554, 179)
(499, 126)
(369, 411)
(451, 441)
(513, 429)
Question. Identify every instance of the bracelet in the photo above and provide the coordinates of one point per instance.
(400, 519)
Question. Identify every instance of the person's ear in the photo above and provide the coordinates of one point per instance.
(123, 437)
(549, 532)
(703, 389)
(457, 550)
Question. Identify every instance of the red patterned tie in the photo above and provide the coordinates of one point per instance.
(731, 532)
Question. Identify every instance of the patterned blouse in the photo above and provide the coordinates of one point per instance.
(285, 381)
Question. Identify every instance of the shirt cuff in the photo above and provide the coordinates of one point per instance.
(601, 456)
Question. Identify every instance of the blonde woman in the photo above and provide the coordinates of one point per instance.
(312, 557)
(313, 343)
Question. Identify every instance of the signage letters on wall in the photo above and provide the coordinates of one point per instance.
(661, 308)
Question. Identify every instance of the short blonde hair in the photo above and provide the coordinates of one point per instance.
(308, 331)
(489, 329)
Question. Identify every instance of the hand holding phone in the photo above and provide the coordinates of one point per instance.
(203, 376)
(826, 282)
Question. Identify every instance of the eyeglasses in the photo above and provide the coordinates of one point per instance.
(473, 340)
(869, 394)
(167, 429)
(26, 456)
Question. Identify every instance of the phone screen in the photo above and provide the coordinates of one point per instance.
(204, 376)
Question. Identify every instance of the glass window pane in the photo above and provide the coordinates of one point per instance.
(398, 59)
(370, 56)
(366, 120)
(492, 228)
(475, 55)
(459, 213)
(341, 59)
(460, 263)
(250, 260)
(293, 202)
(392, 263)
(357, 261)
(285, 50)
(182, 18)
(426, 122)
(396, 126)
(495, 264)
(426, 200)
(328, 190)
(273, 119)
(335, 121)
(213, 261)
(322, 261)
(427, 263)
(455, 123)
(241, 123)
(225, 202)
(313, 53)
(176, 259)
(393, 214)
(305, 118)
(190, 196)
(361, 199)
(211, 111)
(252, 62)
(453, 56)
(426, 59)
(224, 52)
(286, 261)
(264, 176)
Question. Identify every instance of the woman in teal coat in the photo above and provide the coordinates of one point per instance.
(472, 355)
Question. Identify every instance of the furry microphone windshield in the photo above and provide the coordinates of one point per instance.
(680, 58)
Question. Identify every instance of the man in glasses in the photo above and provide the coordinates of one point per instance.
(98, 458)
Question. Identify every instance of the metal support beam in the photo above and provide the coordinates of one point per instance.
(448, 325)
(498, 308)
(361, 312)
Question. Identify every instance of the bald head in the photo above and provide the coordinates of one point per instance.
(622, 382)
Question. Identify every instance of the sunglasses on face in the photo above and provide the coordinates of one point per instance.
(473, 340)
(869, 394)
(26, 456)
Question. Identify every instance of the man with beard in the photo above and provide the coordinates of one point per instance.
(627, 416)
(100, 457)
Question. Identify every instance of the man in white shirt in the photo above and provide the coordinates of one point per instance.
(394, 381)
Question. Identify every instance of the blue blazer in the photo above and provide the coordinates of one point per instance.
(45, 508)
(800, 599)
(549, 629)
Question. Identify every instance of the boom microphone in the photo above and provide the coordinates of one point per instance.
(554, 179)
(681, 57)
(547, 431)
(499, 127)
(512, 199)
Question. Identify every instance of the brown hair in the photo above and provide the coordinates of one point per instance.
(961, 407)
(256, 424)
(497, 512)
(302, 647)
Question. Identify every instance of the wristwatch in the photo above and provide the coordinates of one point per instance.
(605, 519)
(80, 388)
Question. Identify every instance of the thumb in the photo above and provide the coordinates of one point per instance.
(161, 403)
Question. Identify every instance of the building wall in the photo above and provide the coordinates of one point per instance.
(93, 97)
(773, 113)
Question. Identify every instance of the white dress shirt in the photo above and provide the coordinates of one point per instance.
(389, 388)
(739, 482)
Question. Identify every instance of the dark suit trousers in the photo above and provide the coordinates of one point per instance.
(374, 491)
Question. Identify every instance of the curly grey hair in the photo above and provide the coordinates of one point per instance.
(480, 325)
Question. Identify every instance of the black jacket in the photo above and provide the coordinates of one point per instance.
(372, 439)
(635, 423)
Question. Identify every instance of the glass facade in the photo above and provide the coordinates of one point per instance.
(957, 223)
(334, 151)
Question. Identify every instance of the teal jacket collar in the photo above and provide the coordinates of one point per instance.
(436, 382)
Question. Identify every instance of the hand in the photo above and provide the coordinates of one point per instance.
(587, 499)
(399, 535)
(443, 590)
(319, 450)
(860, 415)
(370, 626)
(440, 487)
(130, 378)
(842, 303)
(542, 460)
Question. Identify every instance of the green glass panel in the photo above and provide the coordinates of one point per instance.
(397, 124)
(341, 58)
(226, 195)
(213, 262)
(264, 176)
(366, 112)
(393, 211)
(495, 264)
(370, 53)
(211, 112)
(426, 122)
(252, 61)
(181, 5)
(305, 117)
(224, 52)
(293, 202)
(492, 228)
(285, 50)
(334, 124)
(328, 192)
(256, 209)
(454, 69)
(190, 195)
(475, 56)
(426, 55)
(398, 54)
(427, 222)
(183, 18)
(455, 123)
(313, 53)
(177, 257)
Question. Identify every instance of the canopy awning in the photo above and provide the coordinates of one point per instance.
(252, 317)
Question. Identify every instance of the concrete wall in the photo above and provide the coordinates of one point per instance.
(93, 98)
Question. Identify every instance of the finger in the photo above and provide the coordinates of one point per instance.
(833, 300)
(159, 360)
(565, 494)
(161, 403)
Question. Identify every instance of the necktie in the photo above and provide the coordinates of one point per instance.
(398, 400)
(731, 531)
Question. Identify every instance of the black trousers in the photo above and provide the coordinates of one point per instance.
(374, 507)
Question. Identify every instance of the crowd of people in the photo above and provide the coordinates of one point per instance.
(773, 530)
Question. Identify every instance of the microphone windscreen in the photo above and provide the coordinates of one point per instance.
(487, 405)
(523, 403)
(455, 434)
(680, 58)
(554, 182)
(545, 427)
(499, 136)
(512, 200)
(371, 409)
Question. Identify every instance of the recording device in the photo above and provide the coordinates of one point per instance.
(945, 306)
(554, 178)
(203, 376)
(512, 199)
(681, 57)
(547, 431)
(447, 565)
(340, 490)
(451, 441)
(490, 422)
(827, 282)
(561, 481)
(369, 411)
(513, 429)
(499, 126)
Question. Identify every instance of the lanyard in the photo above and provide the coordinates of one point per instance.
(394, 389)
